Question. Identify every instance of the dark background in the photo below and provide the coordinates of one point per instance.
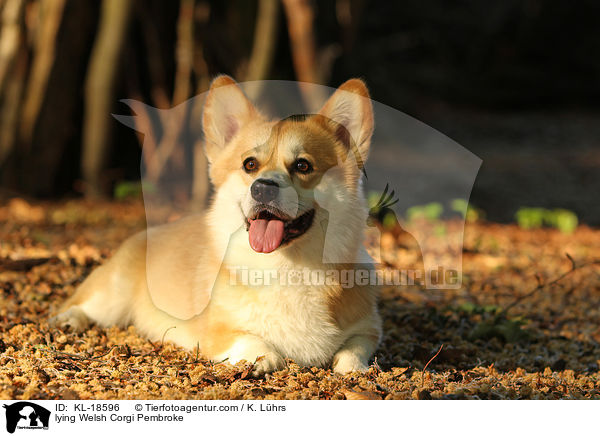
(515, 82)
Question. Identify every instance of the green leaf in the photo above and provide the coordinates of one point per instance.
(503, 329)
(534, 217)
(389, 221)
(415, 213)
(565, 220)
(530, 217)
(467, 307)
(127, 189)
(460, 205)
(433, 211)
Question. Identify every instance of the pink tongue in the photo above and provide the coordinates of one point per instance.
(265, 235)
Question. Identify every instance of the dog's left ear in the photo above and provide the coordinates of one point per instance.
(226, 110)
(351, 110)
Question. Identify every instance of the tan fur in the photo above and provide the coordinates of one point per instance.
(174, 280)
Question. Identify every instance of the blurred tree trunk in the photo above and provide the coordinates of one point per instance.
(163, 153)
(10, 36)
(300, 18)
(49, 163)
(13, 66)
(99, 92)
(348, 14)
(39, 96)
(50, 19)
(184, 52)
(9, 111)
(263, 47)
(200, 183)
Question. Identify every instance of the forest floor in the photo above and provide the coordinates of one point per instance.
(509, 332)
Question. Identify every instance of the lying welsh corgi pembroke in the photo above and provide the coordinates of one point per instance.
(288, 197)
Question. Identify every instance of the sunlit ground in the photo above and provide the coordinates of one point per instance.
(508, 333)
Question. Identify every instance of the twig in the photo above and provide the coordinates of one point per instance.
(541, 284)
(376, 365)
(162, 341)
(197, 352)
(154, 349)
(107, 353)
(436, 355)
(427, 364)
(573, 265)
(79, 357)
(23, 264)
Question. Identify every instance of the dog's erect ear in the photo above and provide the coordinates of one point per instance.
(351, 110)
(226, 110)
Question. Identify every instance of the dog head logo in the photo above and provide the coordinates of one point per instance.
(289, 186)
(26, 415)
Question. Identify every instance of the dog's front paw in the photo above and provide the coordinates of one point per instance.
(73, 319)
(268, 363)
(254, 350)
(346, 361)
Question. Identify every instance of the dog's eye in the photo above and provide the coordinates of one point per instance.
(302, 166)
(250, 165)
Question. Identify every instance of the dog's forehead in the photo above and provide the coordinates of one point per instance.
(289, 140)
(255, 137)
(278, 143)
(293, 138)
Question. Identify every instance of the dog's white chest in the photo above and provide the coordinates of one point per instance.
(298, 324)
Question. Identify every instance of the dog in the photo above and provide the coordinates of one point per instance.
(288, 196)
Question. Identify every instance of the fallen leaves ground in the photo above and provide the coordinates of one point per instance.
(545, 346)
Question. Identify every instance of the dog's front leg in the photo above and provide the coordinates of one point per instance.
(255, 350)
(355, 353)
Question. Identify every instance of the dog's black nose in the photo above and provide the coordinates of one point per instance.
(264, 190)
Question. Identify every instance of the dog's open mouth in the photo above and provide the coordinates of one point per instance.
(268, 229)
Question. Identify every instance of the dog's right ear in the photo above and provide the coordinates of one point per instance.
(226, 110)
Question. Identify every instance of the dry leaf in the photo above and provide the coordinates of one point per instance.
(365, 395)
